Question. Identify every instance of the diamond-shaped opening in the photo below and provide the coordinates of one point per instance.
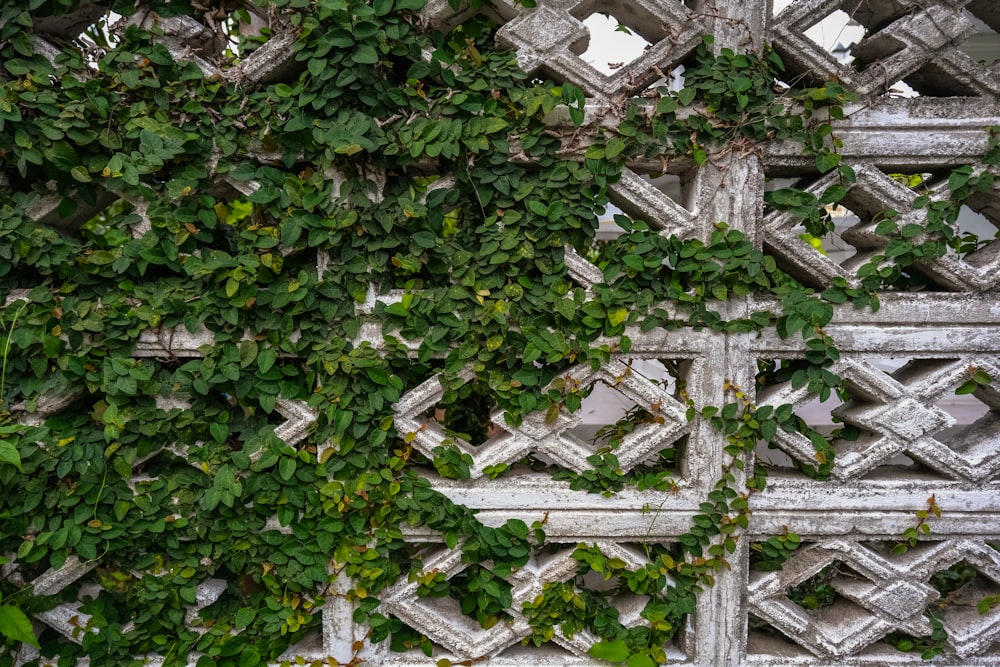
(88, 28)
(763, 639)
(773, 458)
(860, 212)
(607, 415)
(818, 415)
(968, 602)
(67, 213)
(954, 580)
(932, 80)
(113, 226)
(836, 34)
(962, 585)
(611, 45)
(967, 409)
(242, 30)
(901, 466)
(832, 243)
(977, 423)
(919, 182)
(818, 592)
(867, 53)
(480, 594)
(466, 414)
(977, 229)
(619, 35)
(597, 571)
(677, 187)
(631, 603)
(98, 38)
(608, 228)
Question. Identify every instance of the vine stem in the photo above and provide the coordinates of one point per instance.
(6, 351)
(100, 492)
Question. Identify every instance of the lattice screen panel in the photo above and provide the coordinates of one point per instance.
(902, 364)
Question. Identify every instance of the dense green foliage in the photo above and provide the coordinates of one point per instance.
(391, 170)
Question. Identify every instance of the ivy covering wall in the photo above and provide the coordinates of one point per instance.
(219, 284)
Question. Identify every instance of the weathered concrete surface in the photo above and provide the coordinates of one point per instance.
(916, 443)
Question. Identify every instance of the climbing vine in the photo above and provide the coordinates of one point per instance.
(142, 194)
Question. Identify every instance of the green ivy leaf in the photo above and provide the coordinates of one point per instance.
(250, 657)
(286, 468)
(833, 194)
(16, 625)
(80, 173)
(613, 651)
(426, 240)
(265, 360)
(967, 387)
(365, 54)
(768, 429)
(827, 161)
(9, 454)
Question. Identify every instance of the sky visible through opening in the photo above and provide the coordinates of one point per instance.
(609, 46)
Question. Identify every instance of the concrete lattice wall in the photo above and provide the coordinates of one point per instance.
(914, 448)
